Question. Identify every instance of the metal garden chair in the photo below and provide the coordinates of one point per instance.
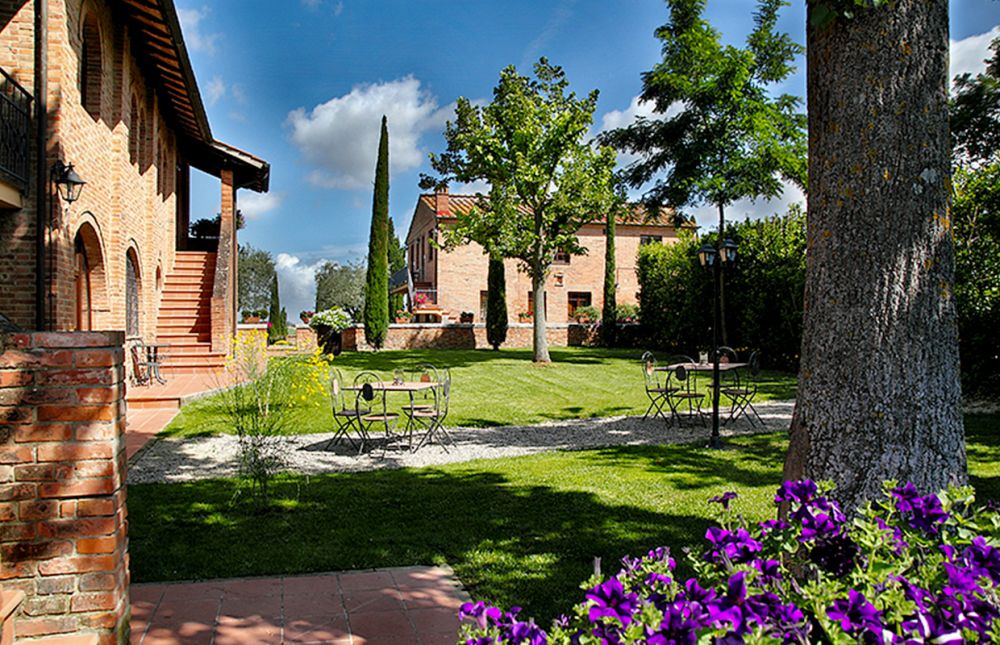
(347, 417)
(682, 389)
(368, 413)
(656, 391)
(433, 419)
(744, 392)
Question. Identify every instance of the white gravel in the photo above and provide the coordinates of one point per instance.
(180, 460)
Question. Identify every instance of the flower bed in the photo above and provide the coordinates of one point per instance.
(909, 569)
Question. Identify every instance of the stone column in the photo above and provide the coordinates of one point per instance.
(224, 289)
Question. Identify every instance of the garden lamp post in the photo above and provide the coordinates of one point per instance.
(716, 260)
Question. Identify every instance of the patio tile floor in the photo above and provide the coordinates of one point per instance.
(417, 605)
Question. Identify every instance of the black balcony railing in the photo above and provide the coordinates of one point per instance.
(15, 131)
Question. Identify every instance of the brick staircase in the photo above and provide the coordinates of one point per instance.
(10, 602)
(185, 320)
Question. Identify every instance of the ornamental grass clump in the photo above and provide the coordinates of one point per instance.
(909, 568)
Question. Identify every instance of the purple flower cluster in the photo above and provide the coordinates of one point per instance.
(753, 582)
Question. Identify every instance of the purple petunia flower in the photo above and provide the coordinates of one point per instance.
(479, 612)
(856, 615)
(738, 546)
(801, 491)
(610, 600)
(772, 525)
(837, 555)
(681, 622)
(724, 499)
(922, 513)
(984, 559)
(770, 570)
(528, 633)
(932, 629)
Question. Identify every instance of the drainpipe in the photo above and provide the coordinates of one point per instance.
(41, 158)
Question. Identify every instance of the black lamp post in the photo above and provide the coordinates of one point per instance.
(717, 259)
(69, 185)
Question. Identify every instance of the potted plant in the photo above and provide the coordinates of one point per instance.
(306, 316)
(328, 326)
(250, 316)
(525, 316)
(403, 316)
(420, 300)
(586, 315)
(466, 317)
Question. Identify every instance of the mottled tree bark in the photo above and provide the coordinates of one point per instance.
(879, 395)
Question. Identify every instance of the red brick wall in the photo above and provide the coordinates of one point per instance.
(62, 468)
(130, 203)
(418, 336)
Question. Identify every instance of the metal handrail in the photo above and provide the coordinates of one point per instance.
(15, 130)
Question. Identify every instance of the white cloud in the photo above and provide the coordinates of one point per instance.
(256, 205)
(338, 8)
(340, 137)
(191, 26)
(296, 284)
(312, 4)
(472, 188)
(239, 93)
(968, 55)
(707, 215)
(623, 118)
(215, 90)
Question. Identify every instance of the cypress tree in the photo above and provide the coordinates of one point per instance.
(274, 311)
(377, 279)
(496, 304)
(609, 316)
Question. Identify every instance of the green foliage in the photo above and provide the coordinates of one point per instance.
(255, 271)
(824, 12)
(976, 220)
(377, 281)
(397, 260)
(764, 291)
(609, 314)
(341, 285)
(277, 329)
(627, 313)
(530, 144)
(731, 139)
(496, 304)
(975, 114)
(333, 318)
(587, 314)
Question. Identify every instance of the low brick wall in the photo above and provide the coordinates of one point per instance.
(468, 336)
(62, 469)
(305, 340)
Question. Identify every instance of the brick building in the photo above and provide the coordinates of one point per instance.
(111, 91)
(455, 281)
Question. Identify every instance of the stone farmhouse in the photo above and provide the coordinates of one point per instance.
(98, 95)
(447, 283)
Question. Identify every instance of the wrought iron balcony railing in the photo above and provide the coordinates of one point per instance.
(15, 131)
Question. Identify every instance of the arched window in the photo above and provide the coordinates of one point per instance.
(91, 67)
(143, 147)
(89, 279)
(131, 294)
(134, 132)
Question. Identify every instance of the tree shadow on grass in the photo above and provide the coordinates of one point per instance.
(511, 543)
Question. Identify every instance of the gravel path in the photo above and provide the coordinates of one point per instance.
(179, 460)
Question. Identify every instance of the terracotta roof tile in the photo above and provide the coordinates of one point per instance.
(461, 204)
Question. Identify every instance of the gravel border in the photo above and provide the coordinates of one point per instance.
(184, 460)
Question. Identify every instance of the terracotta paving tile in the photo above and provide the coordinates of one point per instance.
(434, 621)
(238, 605)
(178, 635)
(311, 585)
(253, 587)
(191, 591)
(381, 624)
(302, 605)
(423, 597)
(366, 580)
(420, 577)
(444, 638)
(252, 629)
(376, 600)
(322, 628)
(146, 593)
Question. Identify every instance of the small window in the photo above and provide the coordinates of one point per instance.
(483, 297)
(650, 239)
(561, 257)
(575, 300)
(134, 132)
(91, 67)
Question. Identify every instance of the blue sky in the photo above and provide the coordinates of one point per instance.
(305, 88)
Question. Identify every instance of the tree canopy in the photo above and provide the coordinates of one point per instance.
(255, 272)
(341, 285)
(531, 144)
(376, 313)
(719, 134)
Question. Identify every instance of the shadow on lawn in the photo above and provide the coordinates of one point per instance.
(514, 544)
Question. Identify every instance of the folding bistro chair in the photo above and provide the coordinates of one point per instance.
(144, 367)
(744, 392)
(655, 389)
(368, 413)
(347, 417)
(682, 389)
(433, 419)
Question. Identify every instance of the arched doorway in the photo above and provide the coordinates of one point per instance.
(88, 279)
(132, 287)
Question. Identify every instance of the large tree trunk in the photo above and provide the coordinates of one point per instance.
(879, 395)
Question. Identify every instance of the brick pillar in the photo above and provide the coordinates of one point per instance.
(224, 288)
(62, 469)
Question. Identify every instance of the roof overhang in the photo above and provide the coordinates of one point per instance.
(249, 171)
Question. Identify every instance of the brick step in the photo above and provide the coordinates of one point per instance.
(184, 299)
(202, 286)
(181, 311)
(188, 357)
(10, 601)
(76, 639)
(193, 271)
(185, 329)
(184, 336)
(186, 349)
(189, 368)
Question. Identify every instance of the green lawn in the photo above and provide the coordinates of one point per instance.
(492, 388)
(517, 531)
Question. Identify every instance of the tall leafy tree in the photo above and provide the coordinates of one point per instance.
(879, 394)
(975, 114)
(496, 303)
(530, 143)
(397, 260)
(377, 280)
(609, 318)
(730, 138)
(274, 312)
(341, 285)
(254, 275)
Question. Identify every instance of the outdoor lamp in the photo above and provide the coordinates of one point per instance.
(707, 255)
(728, 251)
(68, 183)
